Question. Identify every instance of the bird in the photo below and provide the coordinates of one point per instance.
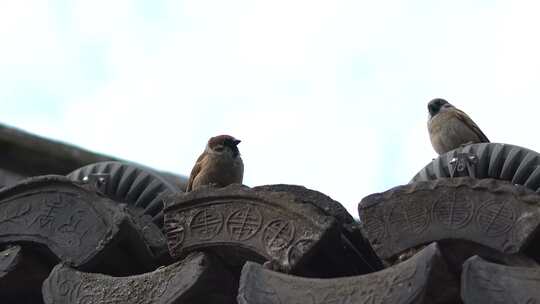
(219, 165)
(450, 128)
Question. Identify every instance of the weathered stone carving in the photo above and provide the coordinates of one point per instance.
(245, 224)
(196, 279)
(77, 226)
(151, 234)
(492, 213)
(354, 256)
(135, 185)
(140, 188)
(506, 162)
(489, 283)
(422, 279)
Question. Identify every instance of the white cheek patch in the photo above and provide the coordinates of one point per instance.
(447, 106)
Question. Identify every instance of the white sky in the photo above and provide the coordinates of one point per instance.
(327, 94)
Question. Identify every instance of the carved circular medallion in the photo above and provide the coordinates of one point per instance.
(495, 218)
(375, 226)
(244, 223)
(65, 286)
(175, 231)
(277, 235)
(410, 217)
(206, 224)
(452, 213)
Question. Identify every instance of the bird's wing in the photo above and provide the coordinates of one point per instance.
(194, 172)
(471, 124)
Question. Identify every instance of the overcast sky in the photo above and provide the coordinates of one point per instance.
(327, 94)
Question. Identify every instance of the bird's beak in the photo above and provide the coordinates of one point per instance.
(236, 142)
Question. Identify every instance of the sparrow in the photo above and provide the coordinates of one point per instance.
(219, 165)
(450, 128)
